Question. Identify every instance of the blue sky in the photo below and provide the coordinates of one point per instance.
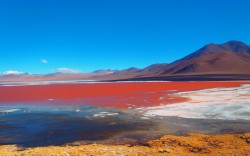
(113, 34)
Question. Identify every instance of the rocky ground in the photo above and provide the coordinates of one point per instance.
(192, 144)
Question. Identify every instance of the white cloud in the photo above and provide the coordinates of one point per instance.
(44, 61)
(12, 72)
(68, 70)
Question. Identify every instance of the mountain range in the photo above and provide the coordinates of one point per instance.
(227, 61)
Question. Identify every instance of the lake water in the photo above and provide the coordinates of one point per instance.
(33, 120)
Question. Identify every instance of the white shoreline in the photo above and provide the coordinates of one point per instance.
(216, 103)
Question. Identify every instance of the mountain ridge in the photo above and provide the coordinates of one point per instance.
(229, 58)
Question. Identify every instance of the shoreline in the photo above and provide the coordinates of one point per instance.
(214, 103)
(191, 144)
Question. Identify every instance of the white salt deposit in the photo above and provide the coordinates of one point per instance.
(9, 110)
(216, 103)
(104, 114)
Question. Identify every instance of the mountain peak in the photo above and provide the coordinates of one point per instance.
(132, 69)
(236, 46)
(230, 46)
(234, 42)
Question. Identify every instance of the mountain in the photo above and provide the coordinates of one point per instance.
(102, 71)
(50, 77)
(230, 60)
(232, 57)
(133, 72)
(119, 74)
(154, 69)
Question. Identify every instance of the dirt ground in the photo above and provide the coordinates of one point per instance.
(192, 144)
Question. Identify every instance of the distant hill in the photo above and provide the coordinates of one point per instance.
(49, 77)
(102, 71)
(229, 60)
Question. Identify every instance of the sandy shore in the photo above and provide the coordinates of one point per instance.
(192, 144)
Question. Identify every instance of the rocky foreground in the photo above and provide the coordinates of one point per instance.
(192, 144)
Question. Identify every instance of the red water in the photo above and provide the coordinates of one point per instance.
(121, 95)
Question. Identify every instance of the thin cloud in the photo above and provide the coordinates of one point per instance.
(68, 70)
(44, 61)
(12, 72)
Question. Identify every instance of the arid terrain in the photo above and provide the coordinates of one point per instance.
(192, 144)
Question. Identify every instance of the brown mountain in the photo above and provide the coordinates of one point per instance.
(119, 74)
(103, 71)
(150, 71)
(229, 58)
(154, 69)
(50, 77)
